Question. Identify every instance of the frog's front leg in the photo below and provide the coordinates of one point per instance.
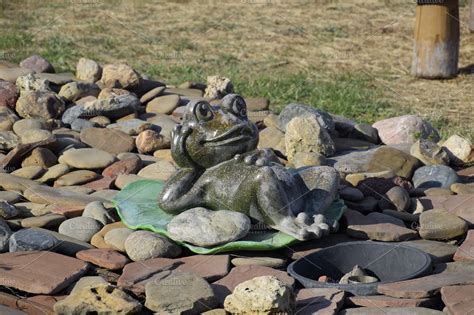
(260, 157)
(181, 192)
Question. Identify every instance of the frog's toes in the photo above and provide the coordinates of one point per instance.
(302, 219)
(250, 159)
(262, 162)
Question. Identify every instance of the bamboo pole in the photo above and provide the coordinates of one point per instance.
(436, 46)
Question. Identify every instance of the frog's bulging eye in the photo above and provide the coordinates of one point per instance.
(204, 112)
(239, 108)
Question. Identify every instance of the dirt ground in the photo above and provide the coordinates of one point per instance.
(320, 38)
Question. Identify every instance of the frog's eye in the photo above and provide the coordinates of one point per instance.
(203, 112)
(239, 107)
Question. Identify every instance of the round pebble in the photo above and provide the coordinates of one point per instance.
(143, 245)
(31, 239)
(88, 158)
(80, 228)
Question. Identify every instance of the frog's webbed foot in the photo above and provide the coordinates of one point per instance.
(316, 225)
(263, 157)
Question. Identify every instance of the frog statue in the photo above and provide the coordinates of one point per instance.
(220, 168)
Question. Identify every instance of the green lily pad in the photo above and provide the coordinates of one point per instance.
(137, 206)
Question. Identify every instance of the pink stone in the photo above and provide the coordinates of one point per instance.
(405, 129)
(128, 166)
(387, 301)
(466, 250)
(458, 299)
(8, 94)
(319, 301)
(105, 258)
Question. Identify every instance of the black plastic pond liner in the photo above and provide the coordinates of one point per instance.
(387, 262)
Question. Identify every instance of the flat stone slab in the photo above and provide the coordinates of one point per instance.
(105, 258)
(458, 299)
(60, 197)
(135, 275)
(466, 250)
(319, 301)
(425, 286)
(237, 275)
(390, 311)
(39, 272)
(387, 301)
(439, 251)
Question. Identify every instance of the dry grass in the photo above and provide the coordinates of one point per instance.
(318, 40)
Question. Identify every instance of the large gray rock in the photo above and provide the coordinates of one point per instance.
(458, 149)
(80, 228)
(300, 110)
(39, 104)
(7, 211)
(429, 153)
(405, 129)
(203, 227)
(74, 91)
(98, 211)
(261, 295)
(170, 296)
(143, 245)
(31, 239)
(434, 176)
(441, 225)
(5, 233)
(88, 70)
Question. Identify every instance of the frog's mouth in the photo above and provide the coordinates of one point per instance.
(241, 132)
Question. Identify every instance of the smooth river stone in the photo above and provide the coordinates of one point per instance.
(143, 245)
(81, 228)
(57, 196)
(434, 176)
(203, 227)
(76, 178)
(88, 158)
(441, 225)
(109, 140)
(163, 105)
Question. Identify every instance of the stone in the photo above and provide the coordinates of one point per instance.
(12, 74)
(440, 252)
(37, 64)
(32, 136)
(300, 110)
(257, 103)
(32, 82)
(7, 211)
(88, 70)
(429, 153)
(123, 180)
(458, 149)
(8, 94)
(377, 226)
(5, 233)
(98, 211)
(132, 127)
(382, 301)
(210, 267)
(351, 194)
(97, 297)
(265, 294)
(218, 87)
(377, 187)
(396, 198)
(126, 166)
(434, 176)
(148, 141)
(39, 104)
(165, 124)
(462, 189)
(101, 121)
(390, 311)
(304, 134)
(302, 159)
(170, 296)
(365, 132)
(116, 238)
(74, 91)
(143, 245)
(22, 125)
(52, 272)
(10, 196)
(161, 170)
(366, 205)
(436, 191)
(30, 172)
(78, 189)
(206, 228)
(153, 93)
(57, 196)
(271, 262)
(425, 286)
(441, 225)
(67, 245)
(273, 138)
(387, 158)
(466, 250)
(237, 275)
(106, 93)
(81, 228)
(405, 129)
(102, 138)
(119, 76)
(98, 239)
(458, 299)
(319, 301)
(76, 178)
(105, 258)
(48, 221)
(7, 118)
(88, 158)
(165, 104)
(80, 124)
(54, 172)
(8, 140)
(113, 108)
(39, 304)
(31, 240)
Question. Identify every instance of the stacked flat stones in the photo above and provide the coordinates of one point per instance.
(70, 142)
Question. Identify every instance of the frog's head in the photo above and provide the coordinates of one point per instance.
(214, 134)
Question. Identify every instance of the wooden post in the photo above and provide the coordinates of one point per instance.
(471, 16)
(436, 47)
